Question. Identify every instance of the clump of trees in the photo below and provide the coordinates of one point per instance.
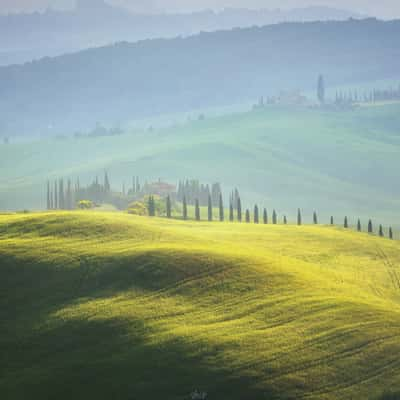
(65, 195)
(344, 97)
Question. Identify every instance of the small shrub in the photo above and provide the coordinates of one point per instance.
(137, 208)
(85, 205)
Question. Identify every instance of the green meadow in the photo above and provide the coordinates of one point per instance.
(337, 163)
(101, 305)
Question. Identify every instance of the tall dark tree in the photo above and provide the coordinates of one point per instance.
(168, 207)
(346, 222)
(55, 205)
(284, 220)
(381, 234)
(231, 216)
(197, 210)
(151, 206)
(315, 218)
(265, 216)
(321, 89)
(68, 196)
(51, 201)
(274, 218)
(221, 208)
(332, 220)
(370, 227)
(216, 194)
(391, 233)
(247, 216)
(256, 215)
(133, 185)
(184, 208)
(48, 196)
(299, 220)
(210, 208)
(61, 198)
(359, 229)
(239, 209)
(107, 186)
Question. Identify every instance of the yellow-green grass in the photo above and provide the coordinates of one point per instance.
(107, 305)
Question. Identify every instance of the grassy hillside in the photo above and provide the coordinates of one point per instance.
(106, 305)
(337, 163)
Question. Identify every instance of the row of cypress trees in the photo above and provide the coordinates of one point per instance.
(60, 196)
(256, 215)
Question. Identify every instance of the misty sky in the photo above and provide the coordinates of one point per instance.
(381, 8)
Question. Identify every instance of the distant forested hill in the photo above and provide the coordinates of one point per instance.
(25, 37)
(125, 81)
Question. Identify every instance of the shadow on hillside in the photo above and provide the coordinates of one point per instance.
(83, 359)
(102, 358)
(390, 396)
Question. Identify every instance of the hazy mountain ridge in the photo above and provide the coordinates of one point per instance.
(96, 23)
(128, 81)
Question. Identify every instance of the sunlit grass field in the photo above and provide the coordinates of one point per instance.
(107, 305)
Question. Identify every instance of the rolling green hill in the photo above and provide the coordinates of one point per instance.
(106, 305)
(340, 163)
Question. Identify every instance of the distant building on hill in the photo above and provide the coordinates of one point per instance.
(159, 188)
(291, 97)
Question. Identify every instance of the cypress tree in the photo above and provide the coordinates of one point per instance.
(321, 89)
(69, 201)
(331, 220)
(55, 204)
(107, 186)
(61, 199)
(239, 209)
(256, 216)
(274, 218)
(231, 217)
(359, 229)
(247, 216)
(370, 227)
(346, 222)
(150, 206)
(299, 217)
(221, 208)
(138, 188)
(390, 233)
(48, 196)
(210, 208)
(184, 206)
(381, 234)
(168, 207)
(197, 210)
(265, 216)
(51, 201)
(285, 220)
(315, 218)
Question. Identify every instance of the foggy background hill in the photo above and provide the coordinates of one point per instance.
(24, 37)
(126, 81)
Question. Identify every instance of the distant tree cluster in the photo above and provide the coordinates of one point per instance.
(60, 195)
(99, 131)
(158, 198)
(235, 213)
(372, 96)
(193, 190)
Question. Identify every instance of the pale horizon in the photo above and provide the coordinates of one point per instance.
(387, 9)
